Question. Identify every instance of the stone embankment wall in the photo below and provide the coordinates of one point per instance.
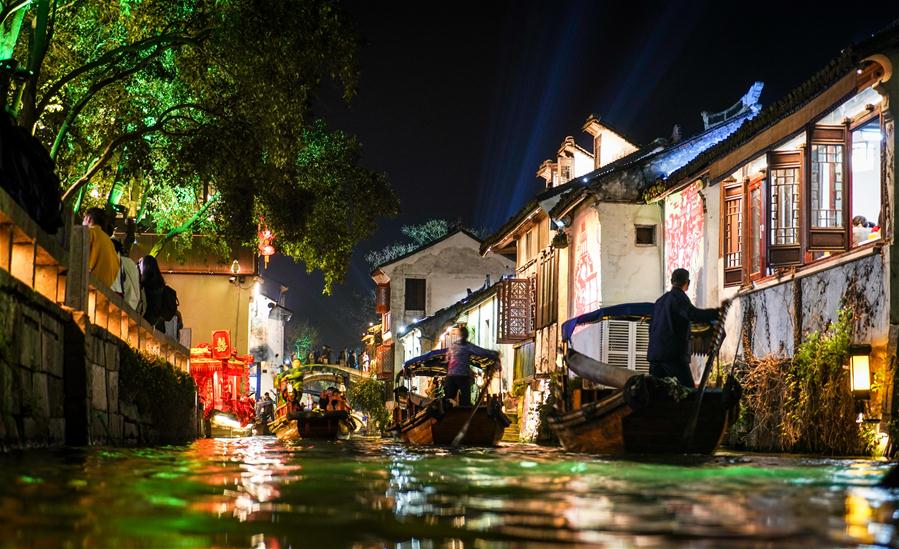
(61, 337)
(60, 379)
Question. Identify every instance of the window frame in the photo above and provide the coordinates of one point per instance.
(733, 191)
(785, 255)
(826, 239)
(655, 237)
(809, 240)
(423, 294)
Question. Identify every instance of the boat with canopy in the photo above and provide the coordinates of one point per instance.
(294, 420)
(434, 420)
(638, 413)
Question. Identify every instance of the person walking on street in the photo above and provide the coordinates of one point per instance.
(669, 331)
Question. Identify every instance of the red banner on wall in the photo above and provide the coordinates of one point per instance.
(221, 344)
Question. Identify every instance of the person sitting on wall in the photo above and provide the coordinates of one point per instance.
(127, 283)
(457, 385)
(669, 331)
(103, 261)
(860, 230)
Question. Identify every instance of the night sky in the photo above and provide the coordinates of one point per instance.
(460, 102)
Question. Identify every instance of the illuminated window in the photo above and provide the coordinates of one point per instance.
(785, 206)
(826, 186)
(865, 169)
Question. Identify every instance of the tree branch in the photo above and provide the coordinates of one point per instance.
(184, 227)
(114, 56)
(164, 118)
(91, 92)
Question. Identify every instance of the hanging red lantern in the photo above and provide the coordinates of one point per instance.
(266, 236)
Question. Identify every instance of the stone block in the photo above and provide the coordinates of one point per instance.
(40, 395)
(130, 432)
(52, 352)
(22, 389)
(29, 340)
(57, 435)
(32, 430)
(99, 428)
(112, 357)
(98, 388)
(112, 391)
(115, 428)
(57, 396)
(129, 410)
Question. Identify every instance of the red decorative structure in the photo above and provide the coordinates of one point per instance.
(266, 236)
(223, 378)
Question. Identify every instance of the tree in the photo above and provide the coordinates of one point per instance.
(193, 117)
(420, 236)
(302, 337)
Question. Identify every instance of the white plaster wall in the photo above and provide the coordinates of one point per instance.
(582, 164)
(710, 277)
(612, 147)
(774, 309)
(630, 273)
(450, 268)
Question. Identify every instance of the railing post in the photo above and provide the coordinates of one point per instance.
(77, 277)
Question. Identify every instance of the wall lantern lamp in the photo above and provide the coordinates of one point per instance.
(860, 371)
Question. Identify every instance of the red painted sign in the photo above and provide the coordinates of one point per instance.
(221, 344)
(684, 220)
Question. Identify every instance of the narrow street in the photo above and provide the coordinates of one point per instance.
(258, 492)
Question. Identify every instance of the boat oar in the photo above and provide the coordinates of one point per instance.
(719, 339)
(461, 434)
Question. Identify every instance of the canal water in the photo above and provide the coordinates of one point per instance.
(259, 492)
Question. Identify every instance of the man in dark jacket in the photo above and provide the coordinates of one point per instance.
(669, 331)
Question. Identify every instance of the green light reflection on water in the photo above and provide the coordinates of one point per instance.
(230, 492)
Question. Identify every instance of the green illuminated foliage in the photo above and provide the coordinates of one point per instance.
(173, 102)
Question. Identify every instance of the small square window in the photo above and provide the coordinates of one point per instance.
(645, 235)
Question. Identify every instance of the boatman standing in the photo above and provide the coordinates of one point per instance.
(458, 372)
(669, 331)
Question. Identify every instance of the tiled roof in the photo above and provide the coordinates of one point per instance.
(424, 247)
(790, 103)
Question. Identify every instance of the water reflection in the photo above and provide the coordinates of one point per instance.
(257, 492)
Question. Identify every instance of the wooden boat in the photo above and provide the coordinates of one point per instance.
(436, 421)
(639, 413)
(291, 423)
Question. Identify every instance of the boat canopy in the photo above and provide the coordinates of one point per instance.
(625, 311)
(434, 364)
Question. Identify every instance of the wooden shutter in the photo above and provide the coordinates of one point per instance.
(826, 204)
(548, 289)
(783, 206)
(732, 216)
(754, 235)
(516, 311)
(382, 298)
(624, 344)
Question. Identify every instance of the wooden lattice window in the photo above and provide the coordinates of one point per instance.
(516, 312)
(827, 220)
(784, 183)
(732, 211)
